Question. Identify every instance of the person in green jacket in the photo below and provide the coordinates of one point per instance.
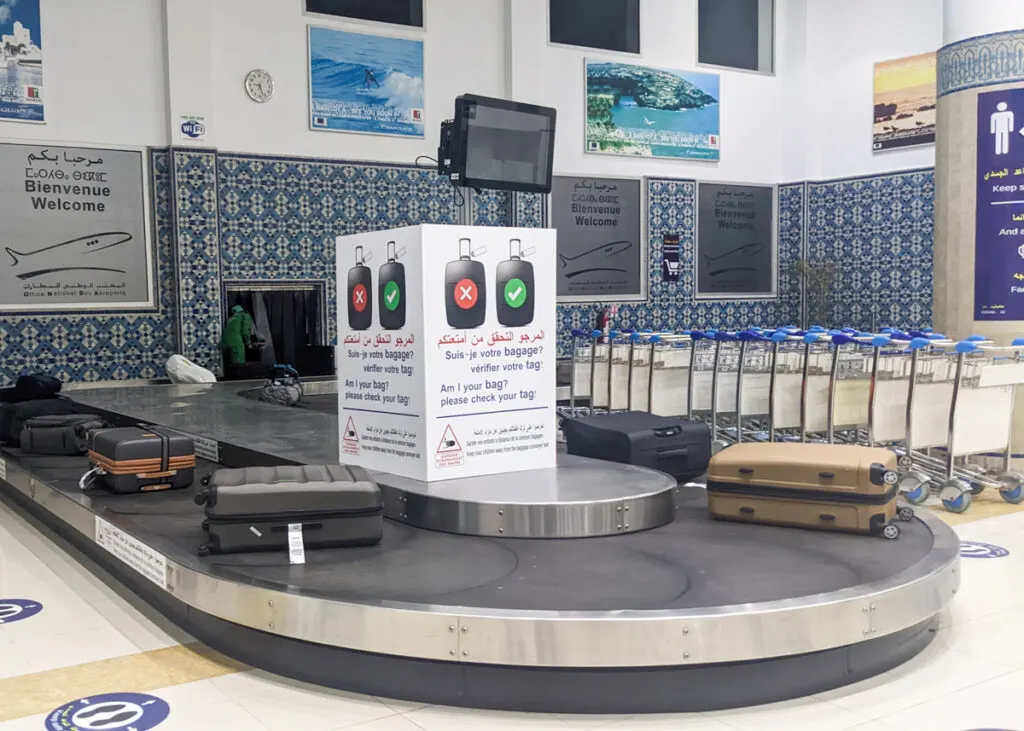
(236, 335)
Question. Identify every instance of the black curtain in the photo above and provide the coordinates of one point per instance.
(294, 317)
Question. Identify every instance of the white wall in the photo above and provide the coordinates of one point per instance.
(464, 51)
(844, 40)
(752, 114)
(104, 75)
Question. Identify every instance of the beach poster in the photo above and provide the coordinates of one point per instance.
(21, 62)
(904, 102)
(649, 112)
(365, 83)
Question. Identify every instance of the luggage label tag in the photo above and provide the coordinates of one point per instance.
(296, 546)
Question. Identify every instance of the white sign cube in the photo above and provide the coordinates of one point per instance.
(446, 350)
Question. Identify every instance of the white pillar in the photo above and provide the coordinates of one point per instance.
(189, 64)
(970, 18)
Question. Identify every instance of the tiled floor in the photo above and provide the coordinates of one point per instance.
(89, 640)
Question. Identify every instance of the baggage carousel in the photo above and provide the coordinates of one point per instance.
(688, 614)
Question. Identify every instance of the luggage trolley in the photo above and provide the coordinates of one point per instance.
(960, 404)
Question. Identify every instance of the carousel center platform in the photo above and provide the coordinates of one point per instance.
(688, 614)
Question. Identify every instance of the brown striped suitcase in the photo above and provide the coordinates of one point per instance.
(823, 486)
(142, 459)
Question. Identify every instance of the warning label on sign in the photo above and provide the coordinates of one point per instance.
(349, 439)
(449, 451)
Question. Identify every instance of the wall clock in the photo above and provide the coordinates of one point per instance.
(259, 85)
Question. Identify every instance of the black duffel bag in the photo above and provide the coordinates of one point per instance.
(31, 387)
(62, 434)
(13, 416)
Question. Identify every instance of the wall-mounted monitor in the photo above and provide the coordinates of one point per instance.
(398, 12)
(498, 144)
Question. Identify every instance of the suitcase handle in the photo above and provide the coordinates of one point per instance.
(827, 518)
(827, 475)
(666, 431)
(747, 511)
(679, 452)
(746, 470)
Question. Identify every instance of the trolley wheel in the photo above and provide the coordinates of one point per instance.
(956, 495)
(1013, 495)
(916, 488)
(905, 514)
(905, 462)
(891, 532)
(977, 488)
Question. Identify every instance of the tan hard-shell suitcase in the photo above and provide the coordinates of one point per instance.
(824, 486)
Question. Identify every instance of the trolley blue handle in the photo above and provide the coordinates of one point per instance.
(725, 337)
(748, 336)
(973, 339)
(577, 333)
(1017, 342)
(841, 339)
(966, 346)
(612, 334)
(880, 341)
(811, 337)
(655, 339)
(918, 343)
(779, 337)
(634, 337)
(697, 335)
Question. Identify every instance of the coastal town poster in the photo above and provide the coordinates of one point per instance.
(21, 56)
(649, 112)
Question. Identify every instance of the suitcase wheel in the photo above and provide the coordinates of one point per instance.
(206, 525)
(200, 498)
(905, 514)
(205, 481)
(891, 532)
(204, 550)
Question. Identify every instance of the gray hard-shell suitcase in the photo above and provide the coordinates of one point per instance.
(59, 434)
(250, 509)
(142, 459)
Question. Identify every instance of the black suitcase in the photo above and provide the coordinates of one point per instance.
(65, 434)
(142, 459)
(14, 415)
(675, 446)
(250, 509)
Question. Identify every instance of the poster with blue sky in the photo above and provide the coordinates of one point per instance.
(648, 112)
(365, 83)
(21, 61)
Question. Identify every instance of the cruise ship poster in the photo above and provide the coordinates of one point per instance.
(21, 61)
(365, 83)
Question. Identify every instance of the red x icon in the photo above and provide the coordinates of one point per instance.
(359, 297)
(466, 293)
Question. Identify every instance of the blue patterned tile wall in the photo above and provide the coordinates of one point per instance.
(997, 58)
(99, 346)
(279, 216)
(880, 230)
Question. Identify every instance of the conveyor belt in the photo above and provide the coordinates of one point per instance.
(691, 563)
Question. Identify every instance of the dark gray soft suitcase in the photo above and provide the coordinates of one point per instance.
(14, 415)
(62, 434)
(250, 509)
(675, 446)
(142, 459)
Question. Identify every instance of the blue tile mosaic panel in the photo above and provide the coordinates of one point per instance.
(99, 346)
(197, 255)
(880, 231)
(279, 216)
(986, 60)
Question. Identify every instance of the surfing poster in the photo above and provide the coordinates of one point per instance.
(21, 62)
(73, 232)
(365, 83)
(648, 112)
(601, 255)
(736, 245)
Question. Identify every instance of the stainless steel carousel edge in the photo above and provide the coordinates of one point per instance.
(551, 638)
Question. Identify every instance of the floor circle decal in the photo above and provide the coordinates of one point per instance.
(15, 610)
(974, 549)
(110, 712)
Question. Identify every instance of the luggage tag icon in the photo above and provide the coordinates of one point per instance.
(391, 290)
(514, 283)
(360, 310)
(465, 286)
